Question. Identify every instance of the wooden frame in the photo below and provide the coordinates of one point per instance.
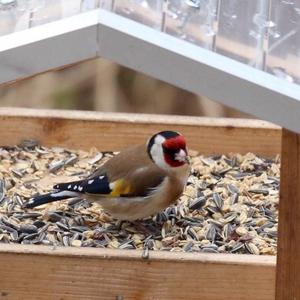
(116, 131)
(39, 272)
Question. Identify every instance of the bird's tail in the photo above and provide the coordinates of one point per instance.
(50, 197)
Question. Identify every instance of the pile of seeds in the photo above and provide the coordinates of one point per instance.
(229, 205)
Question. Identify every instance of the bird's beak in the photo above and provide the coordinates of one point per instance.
(182, 156)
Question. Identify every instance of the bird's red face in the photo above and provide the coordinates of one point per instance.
(167, 149)
(174, 151)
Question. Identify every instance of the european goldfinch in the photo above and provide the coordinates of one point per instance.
(138, 182)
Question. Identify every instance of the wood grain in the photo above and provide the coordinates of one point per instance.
(38, 272)
(115, 131)
(288, 259)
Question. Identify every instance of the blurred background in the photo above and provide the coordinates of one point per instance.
(101, 85)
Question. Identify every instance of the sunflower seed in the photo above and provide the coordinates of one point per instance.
(95, 159)
(2, 190)
(18, 200)
(30, 236)
(30, 215)
(54, 217)
(198, 203)
(232, 189)
(62, 226)
(211, 233)
(259, 191)
(207, 161)
(192, 233)
(18, 173)
(10, 224)
(227, 231)
(211, 209)
(5, 228)
(66, 241)
(39, 223)
(238, 246)
(71, 160)
(218, 200)
(209, 250)
(28, 228)
(251, 248)
(188, 247)
(79, 228)
(14, 236)
(241, 176)
(56, 165)
(74, 201)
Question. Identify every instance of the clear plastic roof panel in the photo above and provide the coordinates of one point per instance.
(283, 51)
(264, 34)
(16, 15)
(241, 30)
(194, 21)
(149, 13)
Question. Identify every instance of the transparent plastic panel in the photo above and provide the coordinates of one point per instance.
(242, 30)
(283, 59)
(105, 4)
(87, 5)
(8, 16)
(193, 20)
(148, 12)
(16, 15)
(264, 34)
(40, 12)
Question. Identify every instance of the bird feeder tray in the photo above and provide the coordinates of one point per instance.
(47, 272)
(38, 272)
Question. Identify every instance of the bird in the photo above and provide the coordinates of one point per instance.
(138, 182)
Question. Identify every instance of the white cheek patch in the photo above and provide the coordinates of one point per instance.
(159, 139)
(157, 152)
(91, 181)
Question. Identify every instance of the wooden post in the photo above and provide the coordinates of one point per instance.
(288, 258)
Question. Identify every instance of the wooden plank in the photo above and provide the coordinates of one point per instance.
(288, 259)
(115, 131)
(39, 272)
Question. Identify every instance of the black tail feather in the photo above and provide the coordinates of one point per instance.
(47, 198)
(68, 186)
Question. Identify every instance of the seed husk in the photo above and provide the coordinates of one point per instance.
(223, 195)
